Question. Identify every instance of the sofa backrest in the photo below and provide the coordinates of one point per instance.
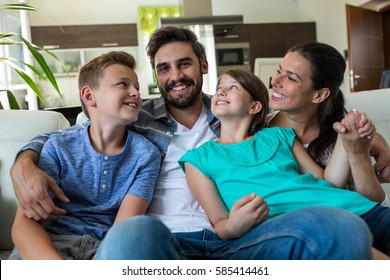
(376, 104)
(17, 127)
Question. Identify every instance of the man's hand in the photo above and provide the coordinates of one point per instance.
(31, 188)
(246, 213)
(357, 132)
(380, 151)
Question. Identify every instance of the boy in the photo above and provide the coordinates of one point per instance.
(107, 172)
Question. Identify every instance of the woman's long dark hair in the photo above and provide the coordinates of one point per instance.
(328, 67)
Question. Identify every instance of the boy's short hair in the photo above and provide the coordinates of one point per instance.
(91, 72)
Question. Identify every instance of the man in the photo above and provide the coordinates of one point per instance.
(177, 227)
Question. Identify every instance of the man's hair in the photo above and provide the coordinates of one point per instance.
(171, 34)
(91, 72)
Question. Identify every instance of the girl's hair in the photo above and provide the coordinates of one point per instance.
(91, 72)
(171, 34)
(258, 91)
(328, 67)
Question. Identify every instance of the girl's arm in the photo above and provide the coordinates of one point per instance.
(31, 240)
(339, 167)
(336, 172)
(245, 213)
(131, 206)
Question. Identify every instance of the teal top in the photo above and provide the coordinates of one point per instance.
(266, 166)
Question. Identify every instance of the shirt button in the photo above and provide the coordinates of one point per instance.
(104, 186)
(105, 172)
(105, 157)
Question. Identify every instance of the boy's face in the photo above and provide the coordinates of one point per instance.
(179, 74)
(117, 97)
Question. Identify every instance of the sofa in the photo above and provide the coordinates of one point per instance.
(17, 127)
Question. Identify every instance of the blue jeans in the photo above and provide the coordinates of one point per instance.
(310, 233)
(378, 220)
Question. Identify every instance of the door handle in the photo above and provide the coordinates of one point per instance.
(358, 76)
(353, 79)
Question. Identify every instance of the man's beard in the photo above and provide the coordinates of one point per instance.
(185, 100)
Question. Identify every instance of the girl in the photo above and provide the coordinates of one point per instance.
(273, 168)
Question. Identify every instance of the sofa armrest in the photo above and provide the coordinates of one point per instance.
(16, 128)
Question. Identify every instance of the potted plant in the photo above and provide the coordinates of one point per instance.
(43, 71)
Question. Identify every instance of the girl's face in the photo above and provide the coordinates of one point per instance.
(291, 84)
(231, 99)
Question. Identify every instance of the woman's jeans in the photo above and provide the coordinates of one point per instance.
(310, 233)
(378, 220)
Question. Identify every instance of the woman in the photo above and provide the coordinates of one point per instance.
(307, 97)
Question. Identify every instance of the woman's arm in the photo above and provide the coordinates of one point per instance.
(245, 213)
(31, 240)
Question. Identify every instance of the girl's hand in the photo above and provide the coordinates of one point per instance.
(246, 213)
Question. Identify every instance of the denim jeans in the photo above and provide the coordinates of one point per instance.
(310, 233)
(378, 220)
(70, 247)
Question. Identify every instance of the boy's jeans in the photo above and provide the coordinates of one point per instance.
(310, 233)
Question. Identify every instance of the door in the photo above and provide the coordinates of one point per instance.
(365, 48)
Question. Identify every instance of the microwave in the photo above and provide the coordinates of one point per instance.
(232, 54)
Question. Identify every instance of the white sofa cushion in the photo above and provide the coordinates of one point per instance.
(17, 127)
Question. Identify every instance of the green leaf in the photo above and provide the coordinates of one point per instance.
(17, 6)
(29, 81)
(13, 104)
(42, 63)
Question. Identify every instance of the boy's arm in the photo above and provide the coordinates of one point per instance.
(31, 240)
(246, 212)
(141, 192)
(131, 206)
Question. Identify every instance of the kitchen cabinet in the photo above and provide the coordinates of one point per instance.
(274, 39)
(265, 39)
(232, 33)
(85, 36)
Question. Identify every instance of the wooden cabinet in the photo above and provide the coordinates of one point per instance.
(233, 33)
(85, 36)
(274, 39)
